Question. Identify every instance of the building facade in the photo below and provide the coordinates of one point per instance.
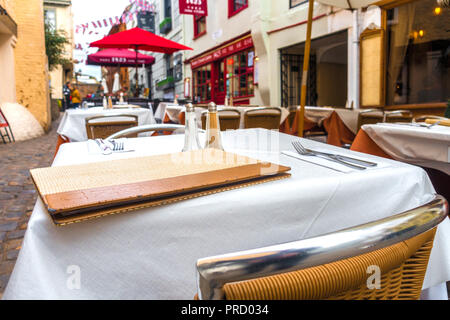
(252, 52)
(23, 63)
(58, 14)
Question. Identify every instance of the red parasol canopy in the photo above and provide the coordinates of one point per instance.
(139, 39)
(118, 57)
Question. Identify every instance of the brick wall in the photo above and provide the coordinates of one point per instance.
(31, 60)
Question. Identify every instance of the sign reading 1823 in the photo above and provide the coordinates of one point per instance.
(195, 7)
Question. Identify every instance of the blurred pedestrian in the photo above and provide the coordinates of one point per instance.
(66, 93)
(76, 99)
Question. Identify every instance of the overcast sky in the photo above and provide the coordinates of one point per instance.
(85, 11)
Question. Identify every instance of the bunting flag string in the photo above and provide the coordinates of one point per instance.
(140, 5)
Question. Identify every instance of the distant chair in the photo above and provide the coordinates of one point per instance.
(422, 118)
(229, 119)
(98, 128)
(370, 116)
(398, 116)
(5, 125)
(333, 266)
(263, 117)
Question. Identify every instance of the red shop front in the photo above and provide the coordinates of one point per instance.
(225, 71)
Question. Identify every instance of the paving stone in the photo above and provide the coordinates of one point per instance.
(17, 234)
(8, 226)
(17, 193)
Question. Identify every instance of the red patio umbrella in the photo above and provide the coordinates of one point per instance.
(139, 39)
(118, 57)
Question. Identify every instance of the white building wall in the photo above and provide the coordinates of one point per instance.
(274, 26)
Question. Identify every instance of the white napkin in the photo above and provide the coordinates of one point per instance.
(330, 164)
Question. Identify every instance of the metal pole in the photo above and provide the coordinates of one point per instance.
(301, 114)
(136, 94)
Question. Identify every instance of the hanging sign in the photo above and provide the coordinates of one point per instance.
(242, 44)
(194, 7)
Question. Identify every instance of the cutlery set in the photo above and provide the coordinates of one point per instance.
(110, 146)
(347, 161)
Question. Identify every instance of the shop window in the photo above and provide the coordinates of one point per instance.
(418, 55)
(236, 6)
(202, 84)
(240, 66)
(295, 3)
(199, 26)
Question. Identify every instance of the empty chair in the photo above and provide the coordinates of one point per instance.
(229, 118)
(149, 128)
(337, 265)
(370, 116)
(263, 117)
(425, 117)
(99, 128)
(398, 116)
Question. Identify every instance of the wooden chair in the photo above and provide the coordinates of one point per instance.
(398, 116)
(338, 265)
(97, 128)
(263, 117)
(5, 125)
(422, 118)
(370, 116)
(229, 119)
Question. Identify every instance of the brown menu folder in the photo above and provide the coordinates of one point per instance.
(80, 192)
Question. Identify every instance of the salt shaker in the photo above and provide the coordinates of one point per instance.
(105, 103)
(191, 141)
(213, 138)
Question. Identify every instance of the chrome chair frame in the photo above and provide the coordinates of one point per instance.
(214, 272)
(149, 128)
(146, 128)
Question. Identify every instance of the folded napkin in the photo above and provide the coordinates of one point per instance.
(330, 164)
(441, 122)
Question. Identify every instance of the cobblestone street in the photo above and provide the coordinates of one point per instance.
(17, 193)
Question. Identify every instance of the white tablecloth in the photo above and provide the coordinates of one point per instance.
(151, 253)
(421, 146)
(348, 116)
(73, 122)
(173, 112)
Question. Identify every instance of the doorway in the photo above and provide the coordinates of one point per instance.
(327, 76)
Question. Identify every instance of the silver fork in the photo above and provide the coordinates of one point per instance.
(301, 150)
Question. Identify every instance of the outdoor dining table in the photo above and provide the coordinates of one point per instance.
(340, 124)
(151, 253)
(73, 122)
(411, 143)
(176, 113)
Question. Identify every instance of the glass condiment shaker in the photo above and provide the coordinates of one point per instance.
(191, 141)
(213, 137)
(105, 103)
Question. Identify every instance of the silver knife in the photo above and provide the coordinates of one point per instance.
(346, 158)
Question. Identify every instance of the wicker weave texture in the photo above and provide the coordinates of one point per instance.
(402, 266)
(103, 129)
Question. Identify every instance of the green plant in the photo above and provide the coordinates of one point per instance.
(164, 22)
(55, 42)
(165, 81)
